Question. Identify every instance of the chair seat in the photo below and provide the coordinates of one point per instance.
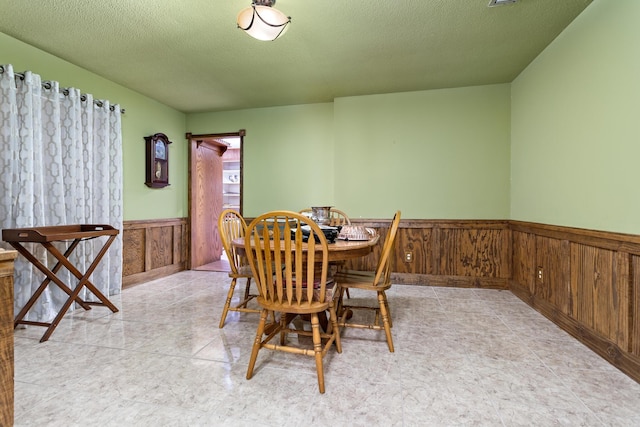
(330, 288)
(304, 308)
(243, 271)
(356, 274)
(359, 280)
(330, 292)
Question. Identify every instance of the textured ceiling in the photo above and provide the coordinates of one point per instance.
(188, 54)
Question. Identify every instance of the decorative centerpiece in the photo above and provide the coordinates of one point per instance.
(320, 214)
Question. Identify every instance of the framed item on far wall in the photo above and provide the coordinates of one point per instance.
(157, 159)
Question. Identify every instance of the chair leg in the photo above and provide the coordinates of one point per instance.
(339, 304)
(227, 303)
(317, 348)
(246, 292)
(284, 325)
(386, 304)
(257, 343)
(334, 327)
(386, 322)
(340, 267)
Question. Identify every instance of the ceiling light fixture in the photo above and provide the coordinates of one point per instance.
(263, 22)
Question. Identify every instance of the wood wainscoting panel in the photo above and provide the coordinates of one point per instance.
(622, 303)
(160, 247)
(552, 272)
(600, 290)
(634, 309)
(181, 244)
(524, 271)
(476, 252)
(417, 242)
(133, 252)
(461, 253)
(153, 249)
(589, 286)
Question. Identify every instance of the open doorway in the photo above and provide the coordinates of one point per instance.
(232, 175)
(231, 190)
(215, 183)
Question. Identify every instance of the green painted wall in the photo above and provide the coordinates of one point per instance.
(143, 117)
(575, 125)
(288, 154)
(432, 154)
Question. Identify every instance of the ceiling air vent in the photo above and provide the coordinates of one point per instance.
(494, 3)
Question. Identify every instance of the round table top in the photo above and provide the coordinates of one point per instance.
(340, 250)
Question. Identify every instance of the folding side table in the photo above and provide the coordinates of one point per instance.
(62, 233)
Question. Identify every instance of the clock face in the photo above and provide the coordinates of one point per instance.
(161, 150)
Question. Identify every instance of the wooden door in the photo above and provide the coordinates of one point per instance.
(205, 196)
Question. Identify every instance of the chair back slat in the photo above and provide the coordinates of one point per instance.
(383, 269)
(338, 217)
(288, 270)
(232, 226)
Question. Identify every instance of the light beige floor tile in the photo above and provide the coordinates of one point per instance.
(462, 357)
(426, 405)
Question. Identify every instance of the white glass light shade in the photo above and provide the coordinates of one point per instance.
(263, 22)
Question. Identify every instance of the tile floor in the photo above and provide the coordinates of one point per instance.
(463, 357)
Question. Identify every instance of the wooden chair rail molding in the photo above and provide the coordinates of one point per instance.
(629, 243)
(585, 281)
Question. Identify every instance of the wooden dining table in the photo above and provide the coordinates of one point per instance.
(340, 250)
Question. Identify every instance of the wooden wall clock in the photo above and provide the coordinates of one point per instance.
(157, 160)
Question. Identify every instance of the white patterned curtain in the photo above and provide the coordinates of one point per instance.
(61, 164)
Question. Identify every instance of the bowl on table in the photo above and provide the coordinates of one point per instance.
(356, 232)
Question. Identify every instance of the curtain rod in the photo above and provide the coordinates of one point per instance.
(47, 85)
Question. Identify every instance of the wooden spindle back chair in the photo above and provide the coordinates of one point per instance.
(231, 226)
(338, 217)
(292, 279)
(378, 281)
